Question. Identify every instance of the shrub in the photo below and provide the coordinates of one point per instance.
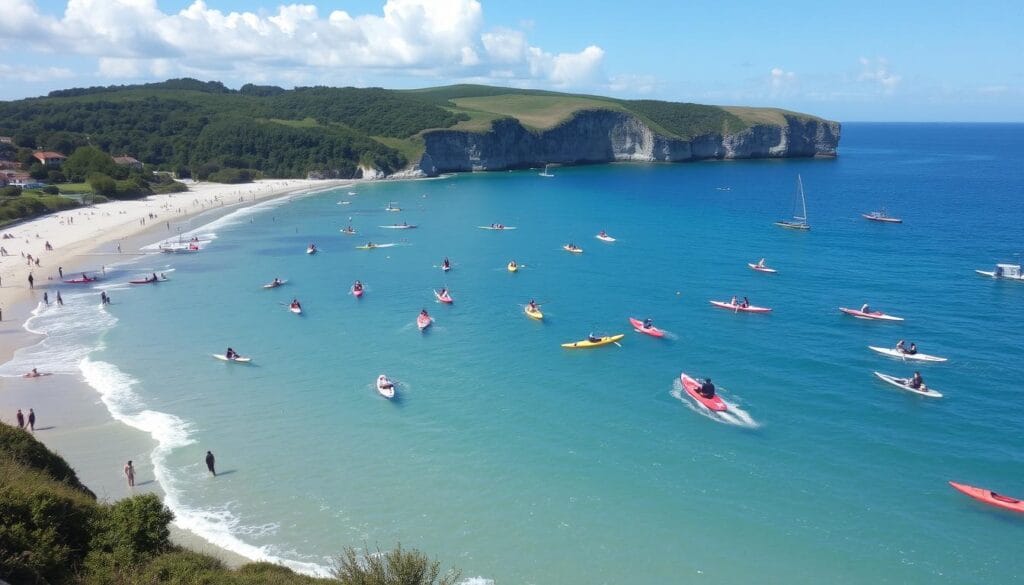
(51, 190)
(10, 191)
(126, 535)
(23, 448)
(396, 567)
(231, 175)
(102, 184)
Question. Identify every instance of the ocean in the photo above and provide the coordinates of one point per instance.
(522, 462)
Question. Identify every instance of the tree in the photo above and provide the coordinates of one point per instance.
(38, 172)
(396, 567)
(102, 185)
(56, 177)
(86, 160)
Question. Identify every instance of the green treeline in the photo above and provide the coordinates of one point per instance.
(53, 531)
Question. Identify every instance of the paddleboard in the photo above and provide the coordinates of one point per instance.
(638, 325)
(398, 227)
(692, 386)
(893, 352)
(901, 383)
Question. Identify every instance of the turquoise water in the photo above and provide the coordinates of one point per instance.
(522, 462)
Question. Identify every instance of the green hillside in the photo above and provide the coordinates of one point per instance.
(188, 126)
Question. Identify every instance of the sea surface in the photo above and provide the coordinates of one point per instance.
(522, 462)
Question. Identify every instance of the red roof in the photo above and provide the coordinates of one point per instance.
(45, 154)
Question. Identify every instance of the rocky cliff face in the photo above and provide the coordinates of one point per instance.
(597, 136)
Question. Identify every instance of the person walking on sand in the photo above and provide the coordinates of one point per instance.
(60, 271)
(21, 419)
(31, 420)
(129, 472)
(31, 281)
(209, 462)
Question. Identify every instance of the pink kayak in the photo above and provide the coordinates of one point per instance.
(444, 298)
(875, 315)
(652, 330)
(357, 292)
(692, 386)
(423, 321)
(740, 308)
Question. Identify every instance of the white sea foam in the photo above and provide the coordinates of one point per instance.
(733, 416)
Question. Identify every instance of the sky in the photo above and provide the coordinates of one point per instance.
(850, 61)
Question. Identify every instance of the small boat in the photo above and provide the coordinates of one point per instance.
(870, 315)
(385, 387)
(799, 222)
(881, 217)
(1002, 271)
(399, 226)
(423, 321)
(604, 237)
(638, 325)
(989, 497)
(147, 280)
(82, 280)
(740, 308)
(587, 343)
(533, 313)
(893, 352)
(237, 359)
(513, 267)
(311, 250)
(391, 207)
(546, 172)
(760, 268)
(274, 284)
(374, 246)
(496, 227)
(903, 384)
(349, 231)
(444, 298)
(692, 387)
(572, 249)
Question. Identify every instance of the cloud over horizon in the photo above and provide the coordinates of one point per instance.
(133, 39)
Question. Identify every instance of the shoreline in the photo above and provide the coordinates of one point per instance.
(73, 419)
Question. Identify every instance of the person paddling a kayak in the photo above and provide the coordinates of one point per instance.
(593, 338)
(865, 308)
(295, 304)
(512, 264)
(916, 382)
(707, 389)
(901, 346)
(277, 281)
(357, 286)
(446, 264)
(746, 303)
(424, 313)
(231, 354)
(532, 305)
(648, 323)
(912, 349)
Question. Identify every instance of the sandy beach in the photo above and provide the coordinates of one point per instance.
(72, 419)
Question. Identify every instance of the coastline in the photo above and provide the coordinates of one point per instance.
(73, 419)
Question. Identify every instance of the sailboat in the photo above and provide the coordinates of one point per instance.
(799, 222)
(546, 172)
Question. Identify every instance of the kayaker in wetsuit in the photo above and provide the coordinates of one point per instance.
(423, 313)
(443, 293)
(913, 348)
(648, 323)
(446, 263)
(533, 305)
(707, 389)
(357, 286)
(746, 303)
(277, 281)
(231, 354)
(916, 382)
(295, 304)
(592, 338)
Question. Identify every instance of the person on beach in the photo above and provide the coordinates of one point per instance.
(103, 298)
(31, 420)
(46, 299)
(21, 419)
(210, 462)
(60, 301)
(129, 473)
(33, 374)
(31, 281)
(60, 271)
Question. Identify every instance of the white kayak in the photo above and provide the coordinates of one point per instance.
(893, 352)
(311, 250)
(385, 387)
(274, 284)
(398, 227)
(901, 383)
(496, 228)
(296, 310)
(605, 238)
(224, 358)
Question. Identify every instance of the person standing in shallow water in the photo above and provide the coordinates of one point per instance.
(210, 462)
(31, 420)
(21, 419)
(129, 472)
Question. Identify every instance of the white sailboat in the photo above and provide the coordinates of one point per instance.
(799, 222)
(546, 172)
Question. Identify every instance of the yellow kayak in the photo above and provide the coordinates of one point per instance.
(533, 313)
(586, 343)
(513, 267)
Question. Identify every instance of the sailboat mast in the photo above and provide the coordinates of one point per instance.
(803, 201)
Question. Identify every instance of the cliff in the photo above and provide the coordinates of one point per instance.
(604, 135)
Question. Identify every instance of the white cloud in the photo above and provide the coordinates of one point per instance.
(32, 74)
(781, 79)
(129, 38)
(876, 71)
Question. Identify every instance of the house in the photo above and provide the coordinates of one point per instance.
(126, 161)
(49, 158)
(17, 178)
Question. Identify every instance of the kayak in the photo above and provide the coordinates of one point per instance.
(390, 208)
(572, 250)
(385, 387)
(446, 268)
(296, 310)
(901, 383)
(374, 247)
(81, 280)
(989, 497)
(692, 386)
(653, 331)
(311, 250)
(398, 227)
(423, 321)
(146, 280)
(446, 298)
(764, 269)
(274, 284)
(586, 343)
(880, 217)
(533, 313)
(348, 232)
(238, 360)
(893, 352)
(357, 292)
(513, 267)
(605, 238)
(491, 227)
(876, 315)
(738, 308)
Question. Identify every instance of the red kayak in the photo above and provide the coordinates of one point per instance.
(989, 497)
(692, 386)
(444, 298)
(423, 321)
(740, 308)
(85, 280)
(876, 315)
(652, 330)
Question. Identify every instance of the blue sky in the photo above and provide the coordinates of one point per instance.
(885, 61)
